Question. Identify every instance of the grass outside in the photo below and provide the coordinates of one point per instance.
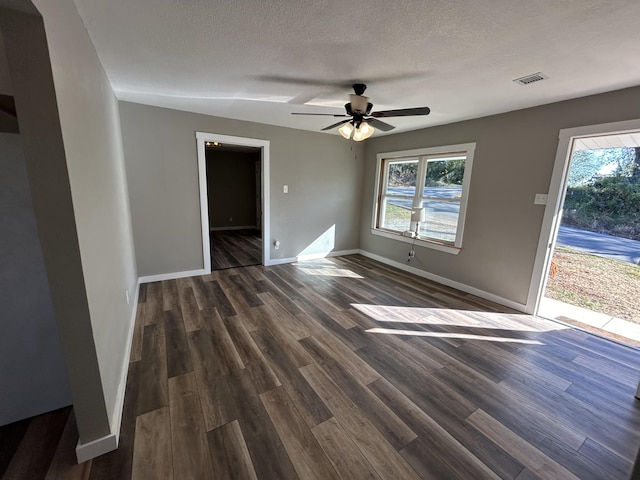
(596, 283)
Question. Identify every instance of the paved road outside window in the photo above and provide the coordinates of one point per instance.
(609, 246)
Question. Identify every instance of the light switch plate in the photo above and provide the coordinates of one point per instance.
(285, 189)
(540, 199)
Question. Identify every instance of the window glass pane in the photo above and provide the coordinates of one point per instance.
(402, 178)
(441, 220)
(396, 215)
(444, 178)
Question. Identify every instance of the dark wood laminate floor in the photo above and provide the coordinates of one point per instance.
(346, 368)
(235, 248)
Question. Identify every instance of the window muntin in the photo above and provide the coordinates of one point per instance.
(444, 176)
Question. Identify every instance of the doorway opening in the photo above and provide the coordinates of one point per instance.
(235, 207)
(591, 274)
(234, 203)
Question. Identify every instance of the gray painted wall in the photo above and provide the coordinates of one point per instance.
(69, 123)
(514, 158)
(5, 78)
(33, 378)
(324, 174)
(231, 188)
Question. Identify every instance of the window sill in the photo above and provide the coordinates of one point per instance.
(420, 242)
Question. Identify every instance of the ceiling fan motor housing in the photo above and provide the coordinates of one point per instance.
(359, 103)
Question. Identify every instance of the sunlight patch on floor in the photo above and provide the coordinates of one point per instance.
(456, 317)
(326, 268)
(462, 336)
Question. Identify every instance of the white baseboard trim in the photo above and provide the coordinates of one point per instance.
(445, 281)
(245, 227)
(96, 447)
(311, 256)
(108, 443)
(171, 276)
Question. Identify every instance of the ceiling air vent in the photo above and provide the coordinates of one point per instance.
(528, 79)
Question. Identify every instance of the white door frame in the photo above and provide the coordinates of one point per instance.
(202, 137)
(555, 200)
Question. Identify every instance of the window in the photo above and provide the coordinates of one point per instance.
(435, 180)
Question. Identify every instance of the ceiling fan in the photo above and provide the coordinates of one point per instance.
(363, 122)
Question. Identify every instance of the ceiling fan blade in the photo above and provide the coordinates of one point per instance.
(379, 124)
(403, 112)
(321, 114)
(336, 124)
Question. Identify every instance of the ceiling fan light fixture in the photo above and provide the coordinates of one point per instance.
(346, 130)
(363, 132)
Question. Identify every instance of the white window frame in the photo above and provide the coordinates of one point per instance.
(423, 155)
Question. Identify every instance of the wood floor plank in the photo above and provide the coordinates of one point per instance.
(386, 421)
(152, 457)
(203, 295)
(603, 462)
(170, 300)
(388, 463)
(64, 465)
(345, 456)
(305, 453)
(241, 284)
(531, 457)
(177, 347)
(251, 356)
(347, 335)
(154, 304)
(426, 465)
(215, 389)
(188, 435)
(325, 304)
(153, 392)
(188, 305)
(351, 361)
(284, 294)
(219, 299)
(11, 436)
(286, 339)
(443, 447)
(309, 404)
(583, 417)
(138, 333)
(229, 453)
(520, 415)
(269, 457)
(293, 323)
(38, 446)
(223, 349)
(417, 383)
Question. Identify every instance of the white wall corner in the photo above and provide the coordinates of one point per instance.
(445, 281)
(96, 447)
(110, 442)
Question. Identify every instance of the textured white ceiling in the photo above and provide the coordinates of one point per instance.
(260, 60)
